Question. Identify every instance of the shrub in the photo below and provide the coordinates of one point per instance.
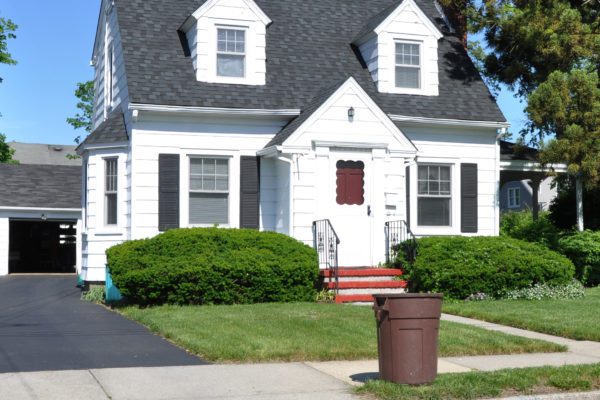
(460, 266)
(572, 290)
(520, 225)
(214, 266)
(583, 248)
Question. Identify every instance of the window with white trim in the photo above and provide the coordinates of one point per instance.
(514, 197)
(110, 190)
(408, 65)
(231, 52)
(209, 191)
(434, 195)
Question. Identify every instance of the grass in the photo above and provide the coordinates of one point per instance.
(508, 382)
(576, 319)
(304, 331)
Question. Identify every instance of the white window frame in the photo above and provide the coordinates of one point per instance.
(513, 194)
(188, 178)
(218, 52)
(448, 196)
(114, 191)
(417, 67)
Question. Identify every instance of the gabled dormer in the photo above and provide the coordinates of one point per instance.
(400, 47)
(227, 42)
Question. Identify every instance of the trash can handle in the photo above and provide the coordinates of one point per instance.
(381, 310)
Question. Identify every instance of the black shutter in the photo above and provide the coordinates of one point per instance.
(468, 197)
(249, 192)
(168, 191)
(408, 197)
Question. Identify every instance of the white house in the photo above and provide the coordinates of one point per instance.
(276, 114)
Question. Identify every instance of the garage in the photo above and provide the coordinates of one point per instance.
(42, 246)
(40, 219)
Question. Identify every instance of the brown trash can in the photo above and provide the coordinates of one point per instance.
(407, 336)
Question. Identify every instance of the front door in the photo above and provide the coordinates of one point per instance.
(350, 206)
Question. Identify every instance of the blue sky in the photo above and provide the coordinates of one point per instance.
(53, 49)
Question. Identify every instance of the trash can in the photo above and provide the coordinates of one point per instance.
(407, 336)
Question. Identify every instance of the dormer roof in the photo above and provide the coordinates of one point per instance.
(380, 21)
(308, 49)
(204, 8)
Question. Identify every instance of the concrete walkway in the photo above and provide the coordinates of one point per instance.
(286, 381)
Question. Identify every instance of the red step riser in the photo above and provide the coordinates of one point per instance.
(367, 285)
(364, 272)
(352, 298)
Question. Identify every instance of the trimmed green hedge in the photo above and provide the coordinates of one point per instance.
(520, 225)
(583, 248)
(460, 266)
(214, 266)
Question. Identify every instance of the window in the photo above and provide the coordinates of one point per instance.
(514, 197)
(350, 182)
(231, 52)
(434, 193)
(408, 65)
(209, 190)
(110, 191)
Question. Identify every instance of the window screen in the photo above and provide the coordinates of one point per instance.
(408, 65)
(231, 52)
(110, 191)
(434, 185)
(209, 191)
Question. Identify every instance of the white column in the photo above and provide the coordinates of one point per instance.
(579, 197)
(4, 249)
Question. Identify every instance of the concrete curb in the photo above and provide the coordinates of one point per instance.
(559, 396)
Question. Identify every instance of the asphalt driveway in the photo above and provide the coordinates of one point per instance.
(44, 326)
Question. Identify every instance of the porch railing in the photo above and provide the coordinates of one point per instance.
(326, 243)
(398, 237)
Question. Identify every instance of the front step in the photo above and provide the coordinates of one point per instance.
(357, 285)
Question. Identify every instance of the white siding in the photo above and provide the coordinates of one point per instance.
(190, 137)
(4, 246)
(108, 37)
(97, 236)
(454, 146)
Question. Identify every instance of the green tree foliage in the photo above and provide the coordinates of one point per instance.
(7, 29)
(83, 119)
(6, 152)
(568, 105)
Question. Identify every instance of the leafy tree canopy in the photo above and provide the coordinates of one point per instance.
(6, 152)
(7, 29)
(83, 119)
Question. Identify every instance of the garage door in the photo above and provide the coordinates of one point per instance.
(42, 246)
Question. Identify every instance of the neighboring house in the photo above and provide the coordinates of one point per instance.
(275, 114)
(518, 195)
(40, 210)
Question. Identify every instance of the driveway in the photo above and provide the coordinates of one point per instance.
(44, 326)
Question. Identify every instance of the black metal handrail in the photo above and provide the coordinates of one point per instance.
(398, 234)
(326, 243)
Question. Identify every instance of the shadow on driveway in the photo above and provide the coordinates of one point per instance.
(45, 326)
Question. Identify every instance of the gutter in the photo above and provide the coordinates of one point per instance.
(215, 110)
(450, 122)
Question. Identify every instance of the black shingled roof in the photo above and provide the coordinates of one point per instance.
(110, 131)
(510, 151)
(308, 49)
(30, 185)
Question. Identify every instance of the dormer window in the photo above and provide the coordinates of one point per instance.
(408, 65)
(231, 52)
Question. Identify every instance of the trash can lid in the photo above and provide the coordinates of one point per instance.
(408, 295)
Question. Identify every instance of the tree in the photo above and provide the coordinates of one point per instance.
(6, 152)
(568, 105)
(7, 29)
(85, 94)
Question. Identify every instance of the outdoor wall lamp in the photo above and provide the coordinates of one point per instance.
(351, 113)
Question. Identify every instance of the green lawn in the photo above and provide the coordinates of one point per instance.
(577, 319)
(304, 331)
(508, 382)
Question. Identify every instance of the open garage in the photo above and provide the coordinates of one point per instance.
(40, 219)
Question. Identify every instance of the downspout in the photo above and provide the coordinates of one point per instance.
(291, 194)
(501, 132)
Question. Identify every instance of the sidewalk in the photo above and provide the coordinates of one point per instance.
(286, 381)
